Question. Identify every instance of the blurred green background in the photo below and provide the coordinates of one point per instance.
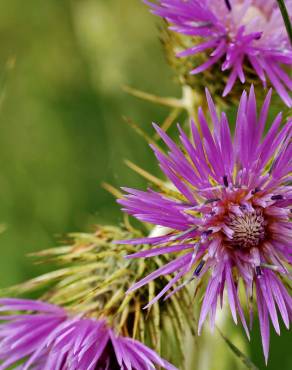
(62, 65)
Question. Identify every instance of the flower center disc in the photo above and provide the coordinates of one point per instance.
(248, 229)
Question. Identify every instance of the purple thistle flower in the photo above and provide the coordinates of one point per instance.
(45, 337)
(231, 216)
(235, 32)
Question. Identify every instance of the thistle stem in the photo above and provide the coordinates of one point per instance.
(286, 18)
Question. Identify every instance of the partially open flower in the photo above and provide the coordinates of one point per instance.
(230, 218)
(92, 278)
(245, 37)
(45, 336)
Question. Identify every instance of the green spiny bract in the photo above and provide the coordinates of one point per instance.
(92, 278)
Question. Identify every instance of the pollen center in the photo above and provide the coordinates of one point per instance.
(248, 230)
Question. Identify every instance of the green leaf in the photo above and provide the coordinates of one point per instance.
(243, 358)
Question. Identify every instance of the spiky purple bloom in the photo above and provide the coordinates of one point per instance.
(230, 218)
(45, 337)
(234, 32)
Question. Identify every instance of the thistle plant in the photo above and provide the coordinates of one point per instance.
(92, 278)
(230, 215)
(246, 38)
(51, 338)
(215, 228)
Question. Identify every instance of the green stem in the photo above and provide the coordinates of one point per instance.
(286, 18)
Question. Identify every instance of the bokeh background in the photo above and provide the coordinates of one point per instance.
(62, 66)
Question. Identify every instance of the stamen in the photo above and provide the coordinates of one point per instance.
(256, 190)
(227, 2)
(259, 271)
(212, 200)
(183, 234)
(194, 255)
(277, 197)
(271, 267)
(207, 233)
(199, 268)
(225, 180)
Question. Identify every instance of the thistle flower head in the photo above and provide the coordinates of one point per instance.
(93, 276)
(230, 218)
(238, 36)
(44, 336)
